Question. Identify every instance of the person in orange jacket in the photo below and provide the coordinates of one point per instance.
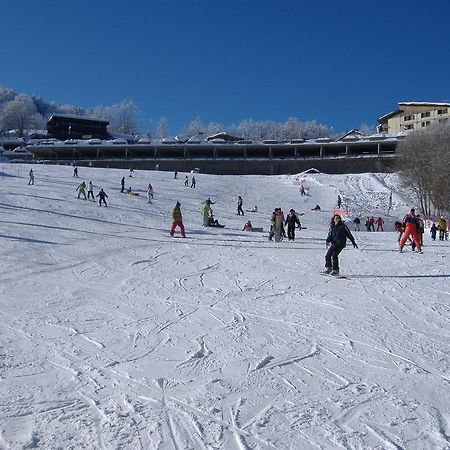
(410, 225)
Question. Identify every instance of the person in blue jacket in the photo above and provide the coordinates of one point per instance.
(336, 240)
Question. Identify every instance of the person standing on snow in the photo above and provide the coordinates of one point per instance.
(122, 184)
(337, 240)
(31, 174)
(291, 221)
(410, 226)
(239, 206)
(186, 181)
(149, 193)
(91, 191)
(193, 182)
(380, 223)
(102, 197)
(75, 171)
(433, 231)
(81, 190)
(177, 220)
(357, 223)
(442, 227)
(339, 201)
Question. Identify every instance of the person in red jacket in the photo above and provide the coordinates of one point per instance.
(380, 223)
(410, 225)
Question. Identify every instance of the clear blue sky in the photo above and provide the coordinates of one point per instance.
(341, 63)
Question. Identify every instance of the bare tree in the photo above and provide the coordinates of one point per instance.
(424, 164)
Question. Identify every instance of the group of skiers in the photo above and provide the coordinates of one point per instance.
(278, 222)
(81, 189)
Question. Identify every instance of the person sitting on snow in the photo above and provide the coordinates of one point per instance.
(248, 226)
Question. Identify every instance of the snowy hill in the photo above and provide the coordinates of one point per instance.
(114, 335)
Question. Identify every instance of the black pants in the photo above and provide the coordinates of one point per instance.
(240, 210)
(331, 258)
(91, 194)
(291, 232)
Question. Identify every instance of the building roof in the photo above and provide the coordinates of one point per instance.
(423, 104)
(389, 115)
(75, 117)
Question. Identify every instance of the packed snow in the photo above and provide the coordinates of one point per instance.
(113, 335)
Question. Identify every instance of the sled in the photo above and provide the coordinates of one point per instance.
(260, 230)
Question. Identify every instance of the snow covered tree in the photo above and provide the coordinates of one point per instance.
(162, 129)
(18, 114)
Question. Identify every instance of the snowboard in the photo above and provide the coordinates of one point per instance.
(338, 277)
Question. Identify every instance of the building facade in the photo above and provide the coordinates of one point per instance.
(413, 116)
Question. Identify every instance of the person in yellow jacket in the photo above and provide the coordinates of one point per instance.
(177, 220)
(442, 227)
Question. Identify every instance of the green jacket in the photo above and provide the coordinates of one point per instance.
(176, 214)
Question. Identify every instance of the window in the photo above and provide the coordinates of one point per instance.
(426, 123)
(443, 120)
(425, 114)
(442, 111)
(409, 127)
(410, 117)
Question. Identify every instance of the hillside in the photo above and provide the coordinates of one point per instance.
(114, 335)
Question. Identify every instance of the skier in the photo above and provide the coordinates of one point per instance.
(399, 229)
(420, 228)
(102, 197)
(380, 223)
(91, 191)
(81, 190)
(277, 225)
(177, 220)
(291, 221)
(122, 183)
(75, 171)
(239, 206)
(31, 174)
(372, 223)
(357, 223)
(410, 225)
(193, 182)
(175, 175)
(339, 201)
(337, 239)
(186, 181)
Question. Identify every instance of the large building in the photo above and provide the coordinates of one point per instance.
(66, 126)
(414, 116)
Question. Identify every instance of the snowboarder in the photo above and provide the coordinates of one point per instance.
(410, 226)
(91, 191)
(31, 174)
(212, 222)
(102, 197)
(81, 190)
(292, 220)
(239, 206)
(177, 220)
(122, 184)
(339, 201)
(186, 181)
(75, 171)
(337, 240)
(193, 182)
(175, 175)
(248, 226)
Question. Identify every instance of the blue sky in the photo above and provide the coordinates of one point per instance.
(341, 63)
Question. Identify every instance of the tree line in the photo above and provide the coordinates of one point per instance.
(25, 114)
(424, 166)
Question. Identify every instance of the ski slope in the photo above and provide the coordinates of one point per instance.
(114, 335)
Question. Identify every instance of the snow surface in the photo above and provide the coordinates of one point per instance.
(115, 336)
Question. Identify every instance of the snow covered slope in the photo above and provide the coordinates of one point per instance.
(114, 335)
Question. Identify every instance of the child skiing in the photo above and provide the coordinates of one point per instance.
(177, 220)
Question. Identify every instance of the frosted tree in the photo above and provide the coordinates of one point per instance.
(18, 114)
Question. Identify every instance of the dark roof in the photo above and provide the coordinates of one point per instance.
(77, 118)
